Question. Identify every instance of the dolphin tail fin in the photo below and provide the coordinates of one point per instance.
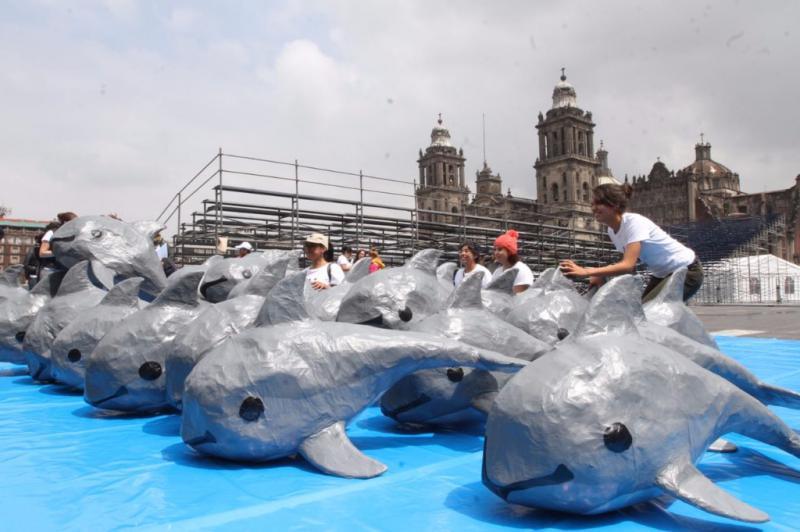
(331, 451)
(775, 395)
(683, 481)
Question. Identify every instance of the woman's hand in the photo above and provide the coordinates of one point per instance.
(570, 269)
(319, 285)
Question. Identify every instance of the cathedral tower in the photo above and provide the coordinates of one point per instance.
(566, 169)
(441, 178)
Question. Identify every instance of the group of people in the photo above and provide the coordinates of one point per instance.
(322, 272)
(635, 236)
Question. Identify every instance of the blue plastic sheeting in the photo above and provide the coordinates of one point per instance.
(66, 465)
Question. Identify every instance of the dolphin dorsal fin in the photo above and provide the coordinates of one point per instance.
(49, 283)
(213, 259)
(426, 260)
(77, 279)
(124, 294)
(673, 291)
(468, 293)
(101, 274)
(267, 278)
(616, 307)
(504, 283)
(683, 481)
(180, 291)
(559, 281)
(331, 451)
(359, 270)
(11, 275)
(285, 302)
(545, 279)
(446, 271)
(148, 228)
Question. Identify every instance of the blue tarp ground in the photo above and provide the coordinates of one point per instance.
(65, 465)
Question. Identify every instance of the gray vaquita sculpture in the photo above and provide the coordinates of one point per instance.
(446, 273)
(453, 395)
(274, 391)
(498, 297)
(10, 282)
(78, 339)
(324, 304)
(392, 296)
(125, 249)
(551, 311)
(19, 310)
(223, 275)
(80, 290)
(667, 308)
(609, 419)
(126, 370)
(216, 324)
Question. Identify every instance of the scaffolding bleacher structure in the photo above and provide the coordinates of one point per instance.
(275, 204)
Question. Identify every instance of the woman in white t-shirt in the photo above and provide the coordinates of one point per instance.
(505, 254)
(637, 238)
(320, 274)
(468, 254)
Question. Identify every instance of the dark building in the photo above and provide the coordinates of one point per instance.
(19, 236)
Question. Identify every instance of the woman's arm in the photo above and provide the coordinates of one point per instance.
(44, 249)
(626, 265)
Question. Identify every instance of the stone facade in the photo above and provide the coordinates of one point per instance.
(18, 238)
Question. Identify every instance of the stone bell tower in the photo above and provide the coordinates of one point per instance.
(441, 178)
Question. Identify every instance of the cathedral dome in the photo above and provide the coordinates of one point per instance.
(564, 94)
(440, 136)
(703, 164)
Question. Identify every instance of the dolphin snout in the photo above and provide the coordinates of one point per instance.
(122, 390)
(561, 475)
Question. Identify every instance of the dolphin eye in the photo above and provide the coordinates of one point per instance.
(405, 314)
(150, 371)
(74, 355)
(455, 374)
(251, 409)
(617, 438)
(247, 274)
(20, 336)
(562, 333)
(96, 233)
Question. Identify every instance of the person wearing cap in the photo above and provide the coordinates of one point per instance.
(243, 249)
(321, 274)
(505, 254)
(468, 254)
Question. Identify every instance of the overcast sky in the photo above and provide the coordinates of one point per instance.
(111, 106)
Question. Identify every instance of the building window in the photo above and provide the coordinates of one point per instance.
(755, 286)
(14, 259)
(788, 285)
(554, 192)
(586, 195)
(742, 209)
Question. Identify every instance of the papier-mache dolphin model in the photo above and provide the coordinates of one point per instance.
(446, 273)
(17, 313)
(609, 419)
(274, 391)
(10, 286)
(667, 308)
(80, 290)
(552, 310)
(78, 339)
(126, 370)
(392, 296)
(324, 304)
(498, 297)
(222, 275)
(125, 249)
(217, 323)
(271, 256)
(451, 395)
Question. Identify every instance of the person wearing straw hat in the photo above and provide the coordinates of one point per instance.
(321, 274)
(505, 254)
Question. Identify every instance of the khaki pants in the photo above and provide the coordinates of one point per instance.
(694, 279)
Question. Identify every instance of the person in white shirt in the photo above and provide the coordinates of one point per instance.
(505, 254)
(637, 238)
(345, 260)
(468, 254)
(321, 274)
(162, 250)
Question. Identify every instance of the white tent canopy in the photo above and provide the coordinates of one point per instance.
(752, 279)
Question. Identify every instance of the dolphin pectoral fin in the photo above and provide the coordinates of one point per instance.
(483, 402)
(683, 481)
(775, 395)
(721, 445)
(332, 452)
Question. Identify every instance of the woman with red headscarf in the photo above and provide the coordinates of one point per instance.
(505, 254)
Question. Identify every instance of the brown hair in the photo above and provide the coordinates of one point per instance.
(472, 249)
(615, 196)
(65, 217)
